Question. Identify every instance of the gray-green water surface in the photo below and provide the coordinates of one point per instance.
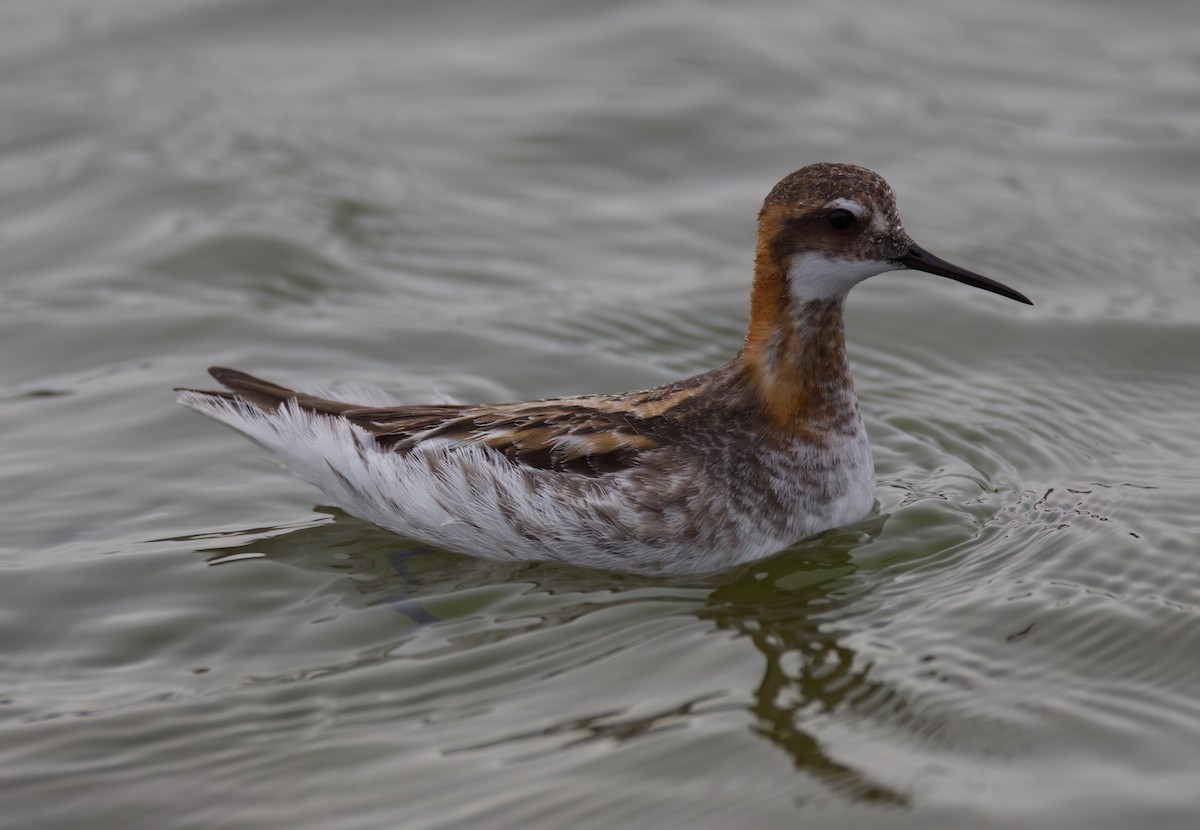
(497, 201)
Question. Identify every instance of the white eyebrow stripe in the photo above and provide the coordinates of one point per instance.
(857, 208)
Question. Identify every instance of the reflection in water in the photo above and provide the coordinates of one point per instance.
(781, 606)
(609, 726)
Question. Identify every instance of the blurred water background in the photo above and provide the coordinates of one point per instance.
(496, 201)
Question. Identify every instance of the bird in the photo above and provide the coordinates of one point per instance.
(702, 474)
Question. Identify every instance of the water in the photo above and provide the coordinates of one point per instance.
(499, 201)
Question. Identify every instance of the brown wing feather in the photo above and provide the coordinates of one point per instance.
(577, 435)
(548, 436)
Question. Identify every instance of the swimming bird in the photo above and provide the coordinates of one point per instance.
(721, 468)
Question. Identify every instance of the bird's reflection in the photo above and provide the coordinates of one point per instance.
(780, 605)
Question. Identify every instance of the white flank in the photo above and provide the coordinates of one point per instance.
(453, 495)
(416, 493)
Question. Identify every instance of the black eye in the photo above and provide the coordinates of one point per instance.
(841, 219)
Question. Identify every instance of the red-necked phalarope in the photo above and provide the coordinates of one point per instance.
(721, 468)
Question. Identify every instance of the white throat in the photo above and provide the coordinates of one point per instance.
(817, 276)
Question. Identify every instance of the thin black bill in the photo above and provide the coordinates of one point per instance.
(919, 259)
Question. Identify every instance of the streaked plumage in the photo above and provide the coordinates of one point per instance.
(720, 468)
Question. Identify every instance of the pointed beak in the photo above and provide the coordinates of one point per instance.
(919, 259)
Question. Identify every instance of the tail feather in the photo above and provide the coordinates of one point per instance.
(266, 395)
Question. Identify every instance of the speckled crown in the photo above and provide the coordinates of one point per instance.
(820, 183)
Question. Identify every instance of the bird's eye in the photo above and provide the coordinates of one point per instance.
(841, 219)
